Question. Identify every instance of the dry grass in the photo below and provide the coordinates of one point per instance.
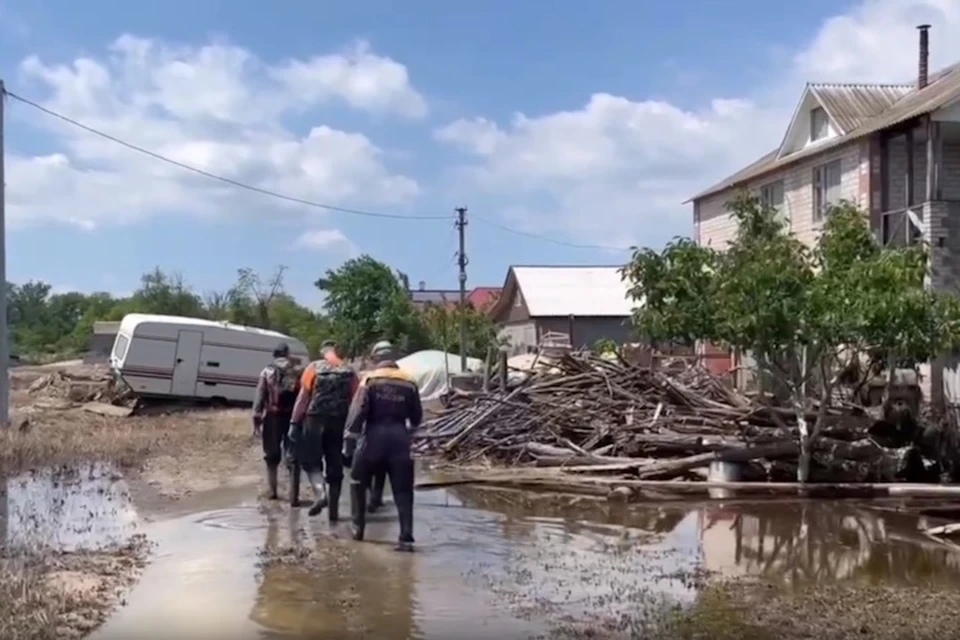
(64, 596)
(68, 437)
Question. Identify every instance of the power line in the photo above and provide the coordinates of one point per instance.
(214, 176)
(538, 236)
(294, 199)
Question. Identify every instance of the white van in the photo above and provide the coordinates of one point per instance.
(191, 358)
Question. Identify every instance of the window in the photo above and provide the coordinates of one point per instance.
(120, 346)
(518, 300)
(826, 188)
(771, 195)
(819, 124)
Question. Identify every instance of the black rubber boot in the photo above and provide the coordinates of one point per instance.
(294, 485)
(319, 493)
(358, 509)
(404, 503)
(333, 494)
(376, 493)
(272, 479)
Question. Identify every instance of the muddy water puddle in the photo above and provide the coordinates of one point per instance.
(66, 509)
(494, 562)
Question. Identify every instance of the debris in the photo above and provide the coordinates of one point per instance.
(596, 416)
(104, 409)
(72, 388)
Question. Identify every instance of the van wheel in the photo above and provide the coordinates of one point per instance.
(219, 402)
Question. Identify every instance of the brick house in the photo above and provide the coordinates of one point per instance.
(894, 149)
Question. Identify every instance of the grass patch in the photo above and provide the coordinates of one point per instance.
(47, 596)
(74, 436)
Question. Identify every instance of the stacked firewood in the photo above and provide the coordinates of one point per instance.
(601, 416)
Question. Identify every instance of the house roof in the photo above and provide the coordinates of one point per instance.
(859, 111)
(573, 290)
(481, 297)
(104, 327)
(423, 296)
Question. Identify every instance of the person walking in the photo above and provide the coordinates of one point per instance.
(317, 426)
(377, 437)
(277, 390)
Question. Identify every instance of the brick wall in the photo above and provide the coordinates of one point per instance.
(716, 227)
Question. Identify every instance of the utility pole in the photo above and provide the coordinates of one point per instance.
(461, 225)
(4, 330)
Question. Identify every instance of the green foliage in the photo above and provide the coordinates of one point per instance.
(802, 312)
(443, 327)
(366, 302)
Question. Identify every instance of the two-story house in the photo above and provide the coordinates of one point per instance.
(894, 149)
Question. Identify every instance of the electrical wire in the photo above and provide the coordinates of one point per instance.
(538, 236)
(294, 199)
(214, 176)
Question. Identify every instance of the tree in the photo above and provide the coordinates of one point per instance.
(443, 326)
(366, 302)
(803, 313)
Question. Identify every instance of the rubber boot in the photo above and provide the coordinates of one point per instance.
(319, 493)
(404, 502)
(376, 493)
(333, 490)
(358, 509)
(272, 479)
(294, 485)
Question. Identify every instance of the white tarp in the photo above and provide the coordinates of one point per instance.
(430, 373)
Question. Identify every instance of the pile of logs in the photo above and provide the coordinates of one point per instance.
(599, 416)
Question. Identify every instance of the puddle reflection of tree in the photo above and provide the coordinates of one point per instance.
(820, 541)
(342, 590)
(578, 514)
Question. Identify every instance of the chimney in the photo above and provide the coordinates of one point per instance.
(423, 286)
(923, 75)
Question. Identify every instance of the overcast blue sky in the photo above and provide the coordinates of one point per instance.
(585, 123)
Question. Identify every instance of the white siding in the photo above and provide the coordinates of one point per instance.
(716, 226)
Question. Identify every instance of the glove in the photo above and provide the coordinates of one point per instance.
(257, 425)
(349, 447)
(294, 433)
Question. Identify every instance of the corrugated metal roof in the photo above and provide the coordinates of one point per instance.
(851, 105)
(423, 296)
(573, 290)
(106, 327)
(944, 88)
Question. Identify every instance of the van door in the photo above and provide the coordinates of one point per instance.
(187, 364)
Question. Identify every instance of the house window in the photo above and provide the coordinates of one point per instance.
(819, 124)
(518, 300)
(826, 188)
(771, 195)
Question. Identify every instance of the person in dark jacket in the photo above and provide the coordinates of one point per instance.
(378, 437)
(381, 351)
(316, 428)
(277, 390)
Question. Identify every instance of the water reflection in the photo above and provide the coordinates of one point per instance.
(66, 509)
(350, 589)
(822, 541)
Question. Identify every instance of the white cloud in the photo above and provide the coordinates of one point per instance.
(216, 107)
(615, 171)
(326, 240)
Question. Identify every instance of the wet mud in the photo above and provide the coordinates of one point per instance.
(226, 564)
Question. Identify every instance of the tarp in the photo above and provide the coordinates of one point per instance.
(428, 370)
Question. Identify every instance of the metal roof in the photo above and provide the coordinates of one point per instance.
(854, 106)
(434, 295)
(851, 105)
(573, 290)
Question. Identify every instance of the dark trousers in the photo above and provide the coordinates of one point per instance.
(385, 451)
(320, 449)
(273, 435)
